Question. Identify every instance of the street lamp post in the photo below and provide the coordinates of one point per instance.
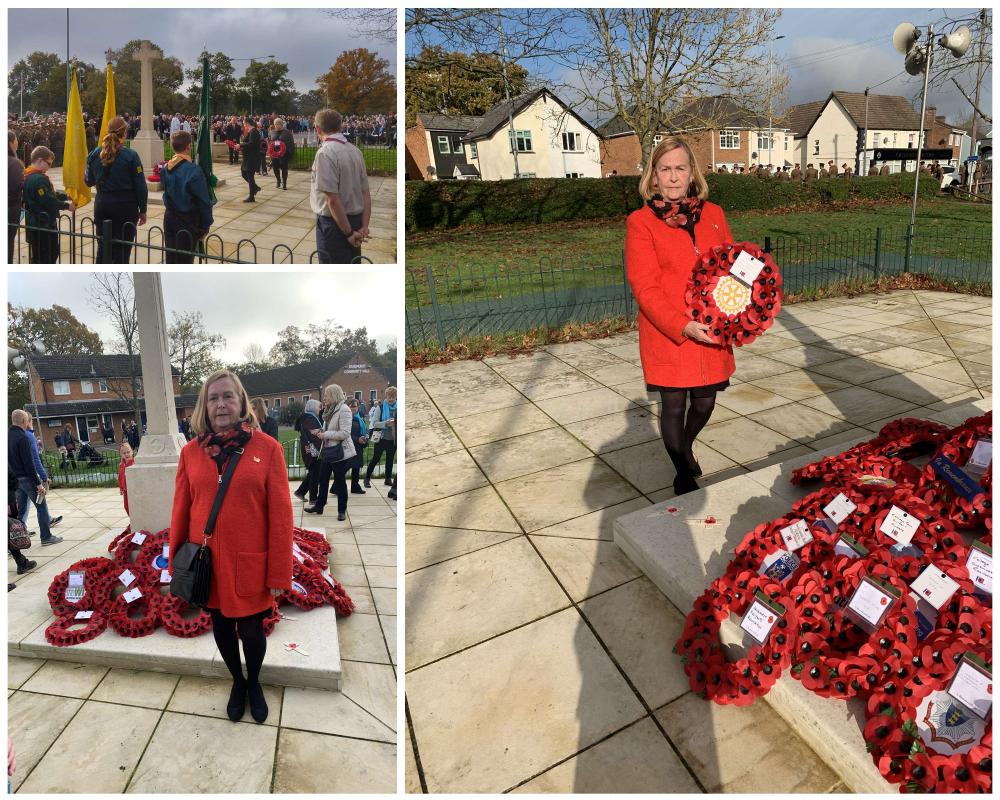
(770, 129)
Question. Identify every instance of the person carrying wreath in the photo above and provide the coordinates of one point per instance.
(663, 241)
(252, 543)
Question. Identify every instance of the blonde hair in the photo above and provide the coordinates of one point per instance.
(335, 393)
(647, 187)
(391, 389)
(258, 410)
(113, 140)
(199, 419)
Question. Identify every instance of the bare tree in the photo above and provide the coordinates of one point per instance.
(112, 295)
(642, 63)
(192, 349)
(968, 72)
(371, 23)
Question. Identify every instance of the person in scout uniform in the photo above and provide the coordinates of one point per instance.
(42, 206)
(121, 191)
(188, 214)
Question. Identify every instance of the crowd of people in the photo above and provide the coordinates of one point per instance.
(827, 170)
(339, 194)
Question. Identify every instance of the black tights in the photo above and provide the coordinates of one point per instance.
(679, 433)
(251, 633)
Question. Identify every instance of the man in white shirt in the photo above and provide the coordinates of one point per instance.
(338, 193)
(175, 125)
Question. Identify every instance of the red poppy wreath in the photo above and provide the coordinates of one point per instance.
(737, 310)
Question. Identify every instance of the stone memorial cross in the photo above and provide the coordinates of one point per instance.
(146, 143)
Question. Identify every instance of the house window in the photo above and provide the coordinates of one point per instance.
(53, 423)
(60, 387)
(523, 140)
(267, 404)
(895, 136)
(444, 145)
(572, 174)
(305, 399)
(786, 143)
(765, 141)
(102, 386)
(657, 138)
(277, 402)
(87, 387)
(373, 397)
(875, 135)
(572, 143)
(729, 140)
(526, 175)
(291, 400)
(911, 140)
(474, 149)
(816, 151)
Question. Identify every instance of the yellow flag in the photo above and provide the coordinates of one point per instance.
(75, 154)
(109, 104)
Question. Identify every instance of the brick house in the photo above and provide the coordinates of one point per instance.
(356, 374)
(436, 141)
(719, 130)
(88, 393)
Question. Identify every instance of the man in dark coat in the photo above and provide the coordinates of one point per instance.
(250, 145)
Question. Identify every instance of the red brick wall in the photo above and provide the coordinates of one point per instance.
(49, 434)
(417, 156)
(621, 153)
(44, 391)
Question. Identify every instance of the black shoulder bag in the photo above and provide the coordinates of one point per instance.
(192, 563)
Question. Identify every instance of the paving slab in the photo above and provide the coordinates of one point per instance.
(682, 556)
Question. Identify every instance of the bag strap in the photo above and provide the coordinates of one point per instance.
(224, 480)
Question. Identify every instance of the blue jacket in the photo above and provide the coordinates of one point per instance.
(124, 174)
(185, 190)
(20, 447)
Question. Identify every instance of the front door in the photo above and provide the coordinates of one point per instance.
(81, 429)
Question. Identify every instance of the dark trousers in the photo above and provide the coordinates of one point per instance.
(180, 232)
(310, 484)
(262, 166)
(339, 472)
(382, 446)
(234, 155)
(331, 245)
(248, 173)
(280, 167)
(124, 216)
(356, 463)
(43, 246)
(13, 220)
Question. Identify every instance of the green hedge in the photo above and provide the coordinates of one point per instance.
(452, 204)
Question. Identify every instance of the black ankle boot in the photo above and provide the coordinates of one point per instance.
(258, 705)
(237, 700)
(684, 483)
(693, 464)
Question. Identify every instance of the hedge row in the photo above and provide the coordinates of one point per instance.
(452, 204)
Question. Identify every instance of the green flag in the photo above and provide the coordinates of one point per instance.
(203, 146)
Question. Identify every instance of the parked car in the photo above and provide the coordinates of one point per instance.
(949, 179)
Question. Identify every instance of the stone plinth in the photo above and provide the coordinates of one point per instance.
(315, 631)
(150, 149)
(682, 555)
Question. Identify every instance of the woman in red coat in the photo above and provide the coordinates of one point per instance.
(252, 543)
(680, 359)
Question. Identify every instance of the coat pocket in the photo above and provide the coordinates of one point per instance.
(250, 573)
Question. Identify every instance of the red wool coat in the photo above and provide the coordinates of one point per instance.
(252, 544)
(658, 262)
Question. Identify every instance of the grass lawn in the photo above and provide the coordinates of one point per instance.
(593, 242)
(378, 160)
(501, 259)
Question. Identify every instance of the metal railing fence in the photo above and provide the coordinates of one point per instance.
(445, 305)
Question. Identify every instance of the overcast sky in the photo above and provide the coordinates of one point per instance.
(243, 307)
(307, 39)
(843, 49)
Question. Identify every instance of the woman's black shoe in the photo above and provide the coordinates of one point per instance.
(237, 701)
(684, 484)
(356, 489)
(368, 483)
(341, 516)
(300, 495)
(250, 200)
(258, 705)
(313, 510)
(693, 464)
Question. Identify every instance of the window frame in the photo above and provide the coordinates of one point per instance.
(444, 144)
(730, 133)
(84, 384)
(56, 385)
(474, 150)
(102, 386)
(521, 137)
(576, 139)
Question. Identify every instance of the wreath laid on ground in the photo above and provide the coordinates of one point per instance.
(125, 592)
(737, 310)
(900, 663)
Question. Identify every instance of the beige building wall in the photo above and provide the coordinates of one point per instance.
(547, 120)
